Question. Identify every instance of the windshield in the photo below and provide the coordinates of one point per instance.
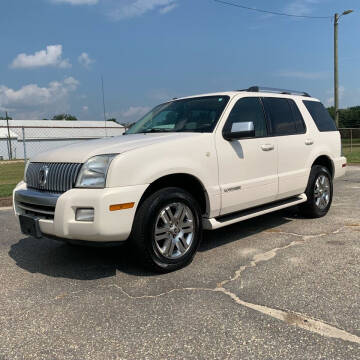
(193, 115)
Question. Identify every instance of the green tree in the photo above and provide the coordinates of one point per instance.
(348, 118)
(112, 119)
(4, 118)
(64, 117)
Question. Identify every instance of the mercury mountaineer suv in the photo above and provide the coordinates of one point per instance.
(199, 162)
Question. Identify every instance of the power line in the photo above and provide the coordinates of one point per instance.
(270, 12)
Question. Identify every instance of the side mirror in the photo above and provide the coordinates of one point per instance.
(240, 130)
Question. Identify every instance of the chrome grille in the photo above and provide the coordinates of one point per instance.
(61, 177)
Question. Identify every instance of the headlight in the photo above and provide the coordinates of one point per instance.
(25, 170)
(93, 172)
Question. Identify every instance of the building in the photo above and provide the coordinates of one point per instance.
(33, 136)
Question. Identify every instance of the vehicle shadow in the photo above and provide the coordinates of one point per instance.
(241, 230)
(57, 259)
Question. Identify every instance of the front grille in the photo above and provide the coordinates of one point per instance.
(60, 177)
(40, 211)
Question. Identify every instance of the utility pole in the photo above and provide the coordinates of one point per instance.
(9, 137)
(336, 69)
(336, 63)
(103, 99)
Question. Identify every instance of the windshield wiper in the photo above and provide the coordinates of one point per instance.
(155, 130)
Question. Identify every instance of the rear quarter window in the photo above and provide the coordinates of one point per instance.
(320, 115)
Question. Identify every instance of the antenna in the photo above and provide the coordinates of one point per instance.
(103, 98)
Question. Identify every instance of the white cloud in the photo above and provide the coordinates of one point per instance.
(134, 8)
(135, 112)
(303, 74)
(168, 8)
(300, 7)
(76, 2)
(85, 108)
(85, 60)
(51, 56)
(32, 101)
(330, 100)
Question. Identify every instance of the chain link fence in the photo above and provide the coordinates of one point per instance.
(24, 142)
(350, 139)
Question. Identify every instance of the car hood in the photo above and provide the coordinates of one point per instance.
(81, 151)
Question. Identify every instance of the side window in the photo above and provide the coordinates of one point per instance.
(281, 116)
(299, 120)
(321, 116)
(248, 109)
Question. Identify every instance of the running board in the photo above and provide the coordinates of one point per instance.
(221, 221)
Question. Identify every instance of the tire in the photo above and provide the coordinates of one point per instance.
(164, 238)
(319, 193)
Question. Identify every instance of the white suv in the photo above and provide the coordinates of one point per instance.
(201, 162)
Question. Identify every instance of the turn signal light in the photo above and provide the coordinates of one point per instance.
(121, 206)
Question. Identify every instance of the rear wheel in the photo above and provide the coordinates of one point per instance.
(167, 229)
(319, 193)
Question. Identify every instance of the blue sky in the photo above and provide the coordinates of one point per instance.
(53, 53)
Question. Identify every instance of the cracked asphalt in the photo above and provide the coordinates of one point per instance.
(275, 287)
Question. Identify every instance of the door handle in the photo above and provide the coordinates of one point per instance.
(309, 142)
(267, 147)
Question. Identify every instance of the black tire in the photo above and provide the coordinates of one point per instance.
(143, 237)
(310, 208)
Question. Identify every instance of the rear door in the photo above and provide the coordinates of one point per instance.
(294, 144)
(247, 167)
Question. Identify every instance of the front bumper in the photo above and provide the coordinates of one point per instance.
(56, 215)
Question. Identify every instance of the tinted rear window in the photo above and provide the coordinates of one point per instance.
(281, 116)
(299, 121)
(321, 116)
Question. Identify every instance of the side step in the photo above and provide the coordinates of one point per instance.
(221, 221)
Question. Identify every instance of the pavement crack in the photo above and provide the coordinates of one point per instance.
(289, 317)
(262, 257)
(296, 319)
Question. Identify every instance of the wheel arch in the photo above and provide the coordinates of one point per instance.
(326, 161)
(188, 182)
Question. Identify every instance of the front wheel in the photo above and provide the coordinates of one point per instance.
(167, 229)
(319, 193)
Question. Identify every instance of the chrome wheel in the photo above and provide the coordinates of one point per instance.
(174, 230)
(322, 192)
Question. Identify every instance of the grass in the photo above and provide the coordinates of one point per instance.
(10, 175)
(354, 155)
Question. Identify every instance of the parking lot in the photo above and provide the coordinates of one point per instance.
(274, 287)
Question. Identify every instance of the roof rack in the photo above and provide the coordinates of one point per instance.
(275, 90)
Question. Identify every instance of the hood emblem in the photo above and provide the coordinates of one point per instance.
(43, 175)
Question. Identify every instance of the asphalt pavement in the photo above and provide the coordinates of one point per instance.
(275, 287)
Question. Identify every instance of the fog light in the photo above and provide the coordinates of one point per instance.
(84, 215)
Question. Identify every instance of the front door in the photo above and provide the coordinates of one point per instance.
(247, 167)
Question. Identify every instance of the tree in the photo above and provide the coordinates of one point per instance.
(112, 119)
(64, 117)
(4, 118)
(348, 118)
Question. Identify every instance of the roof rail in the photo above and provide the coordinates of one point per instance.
(277, 91)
